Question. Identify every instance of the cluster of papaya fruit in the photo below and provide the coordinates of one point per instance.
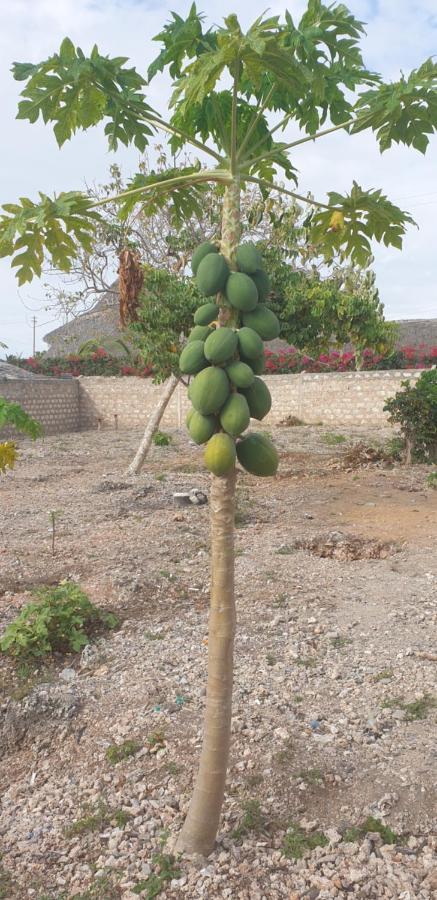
(226, 361)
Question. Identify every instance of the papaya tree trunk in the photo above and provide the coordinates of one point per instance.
(201, 824)
(152, 426)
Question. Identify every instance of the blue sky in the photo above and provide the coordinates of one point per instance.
(400, 35)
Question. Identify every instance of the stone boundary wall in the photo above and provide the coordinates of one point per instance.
(335, 398)
(54, 402)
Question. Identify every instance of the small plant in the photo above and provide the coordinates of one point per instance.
(331, 439)
(154, 635)
(357, 832)
(285, 550)
(156, 740)
(166, 869)
(98, 819)
(253, 820)
(118, 752)
(431, 480)
(102, 888)
(173, 768)
(338, 642)
(297, 842)
(313, 777)
(161, 440)
(381, 676)
(284, 756)
(417, 709)
(53, 514)
(395, 448)
(56, 620)
(308, 662)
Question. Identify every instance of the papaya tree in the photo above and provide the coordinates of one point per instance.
(234, 94)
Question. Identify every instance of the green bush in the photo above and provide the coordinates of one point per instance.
(161, 440)
(56, 620)
(414, 409)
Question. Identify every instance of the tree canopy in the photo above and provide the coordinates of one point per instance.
(309, 73)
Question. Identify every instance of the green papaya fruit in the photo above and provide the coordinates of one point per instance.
(235, 415)
(201, 427)
(209, 390)
(258, 455)
(220, 454)
(199, 333)
(206, 314)
(263, 284)
(212, 274)
(221, 345)
(241, 291)
(248, 258)
(201, 251)
(240, 374)
(258, 398)
(250, 343)
(264, 322)
(192, 358)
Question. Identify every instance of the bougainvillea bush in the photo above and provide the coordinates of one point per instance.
(287, 359)
(99, 362)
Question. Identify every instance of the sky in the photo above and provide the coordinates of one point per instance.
(400, 35)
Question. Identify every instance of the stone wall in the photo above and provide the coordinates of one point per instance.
(54, 402)
(337, 398)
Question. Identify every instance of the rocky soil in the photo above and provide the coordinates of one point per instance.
(333, 768)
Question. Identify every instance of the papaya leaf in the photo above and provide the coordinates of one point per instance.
(13, 414)
(76, 92)
(186, 199)
(53, 227)
(368, 215)
(182, 38)
(404, 112)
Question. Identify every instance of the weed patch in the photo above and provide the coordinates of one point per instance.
(357, 832)
(118, 752)
(331, 439)
(297, 842)
(253, 820)
(166, 869)
(56, 620)
(160, 439)
(97, 820)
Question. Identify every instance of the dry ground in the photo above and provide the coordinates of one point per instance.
(335, 689)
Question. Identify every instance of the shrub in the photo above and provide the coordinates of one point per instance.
(160, 439)
(56, 620)
(96, 362)
(414, 409)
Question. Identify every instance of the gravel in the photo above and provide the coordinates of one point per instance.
(333, 661)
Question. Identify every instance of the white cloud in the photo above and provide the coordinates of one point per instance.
(400, 34)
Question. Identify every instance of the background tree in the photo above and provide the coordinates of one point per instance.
(164, 318)
(414, 410)
(225, 82)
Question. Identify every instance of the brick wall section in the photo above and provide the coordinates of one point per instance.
(54, 402)
(337, 398)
